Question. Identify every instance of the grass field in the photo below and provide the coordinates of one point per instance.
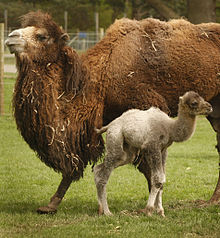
(26, 183)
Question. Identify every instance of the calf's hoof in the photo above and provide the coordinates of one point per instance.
(108, 213)
(148, 211)
(161, 213)
(102, 212)
(46, 210)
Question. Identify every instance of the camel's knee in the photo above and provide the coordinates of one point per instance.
(159, 185)
(158, 179)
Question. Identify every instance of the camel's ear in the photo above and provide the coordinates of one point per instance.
(64, 37)
(180, 99)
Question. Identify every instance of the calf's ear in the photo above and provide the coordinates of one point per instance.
(180, 99)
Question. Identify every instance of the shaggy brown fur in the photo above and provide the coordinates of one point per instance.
(54, 111)
(152, 63)
(59, 98)
(51, 117)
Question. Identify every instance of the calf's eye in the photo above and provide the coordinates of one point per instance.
(194, 104)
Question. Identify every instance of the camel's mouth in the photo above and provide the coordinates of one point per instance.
(206, 111)
(15, 48)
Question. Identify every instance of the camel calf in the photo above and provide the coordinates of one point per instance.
(149, 132)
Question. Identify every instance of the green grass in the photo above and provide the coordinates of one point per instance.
(26, 183)
(9, 82)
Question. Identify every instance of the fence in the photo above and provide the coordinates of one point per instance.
(80, 41)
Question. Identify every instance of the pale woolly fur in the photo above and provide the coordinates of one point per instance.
(149, 132)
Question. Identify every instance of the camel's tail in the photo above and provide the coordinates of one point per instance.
(101, 130)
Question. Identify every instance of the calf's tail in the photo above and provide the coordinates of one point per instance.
(101, 130)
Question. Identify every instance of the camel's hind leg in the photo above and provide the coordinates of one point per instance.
(216, 195)
(216, 125)
(102, 175)
(214, 119)
(158, 201)
(57, 197)
(115, 157)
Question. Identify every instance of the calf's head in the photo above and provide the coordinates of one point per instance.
(193, 104)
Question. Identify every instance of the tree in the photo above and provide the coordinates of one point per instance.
(198, 11)
(201, 11)
(163, 9)
(118, 7)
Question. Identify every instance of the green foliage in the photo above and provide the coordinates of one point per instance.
(26, 183)
(81, 12)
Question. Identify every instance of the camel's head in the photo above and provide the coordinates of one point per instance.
(39, 38)
(193, 104)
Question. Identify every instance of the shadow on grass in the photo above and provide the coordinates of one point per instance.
(18, 207)
(70, 207)
(189, 204)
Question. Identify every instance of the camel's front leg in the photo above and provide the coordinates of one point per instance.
(155, 161)
(57, 197)
(148, 210)
(158, 203)
(144, 168)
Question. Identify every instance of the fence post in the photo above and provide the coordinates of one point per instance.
(1, 69)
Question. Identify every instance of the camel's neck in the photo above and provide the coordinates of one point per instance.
(58, 124)
(36, 91)
(184, 127)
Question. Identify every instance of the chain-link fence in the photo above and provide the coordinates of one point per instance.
(82, 41)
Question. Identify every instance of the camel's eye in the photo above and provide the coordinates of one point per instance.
(194, 104)
(41, 37)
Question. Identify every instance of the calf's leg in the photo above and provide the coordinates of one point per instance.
(155, 196)
(155, 162)
(158, 202)
(115, 156)
(102, 175)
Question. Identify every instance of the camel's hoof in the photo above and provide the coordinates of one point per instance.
(46, 210)
(148, 212)
(101, 213)
(108, 214)
(161, 213)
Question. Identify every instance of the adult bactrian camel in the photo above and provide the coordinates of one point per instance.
(59, 98)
